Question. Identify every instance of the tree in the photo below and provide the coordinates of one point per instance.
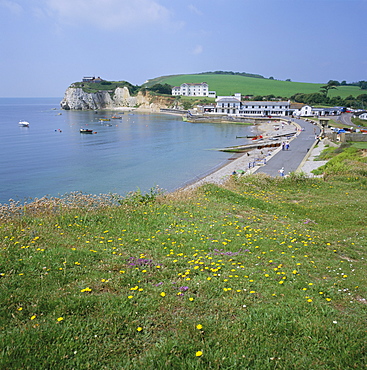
(330, 85)
(336, 101)
(362, 97)
(269, 97)
(162, 89)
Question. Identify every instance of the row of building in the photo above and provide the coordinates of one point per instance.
(234, 105)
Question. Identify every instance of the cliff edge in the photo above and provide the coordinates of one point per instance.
(76, 98)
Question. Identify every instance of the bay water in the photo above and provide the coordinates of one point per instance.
(138, 151)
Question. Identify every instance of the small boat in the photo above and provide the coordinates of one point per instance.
(116, 117)
(86, 131)
(247, 137)
(24, 123)
(257, 137)
(104, 119)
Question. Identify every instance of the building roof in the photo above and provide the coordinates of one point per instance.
(228, 100)
(297, 105)
(194, 84)
(270, 103)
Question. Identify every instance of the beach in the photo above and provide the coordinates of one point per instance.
(250, 161)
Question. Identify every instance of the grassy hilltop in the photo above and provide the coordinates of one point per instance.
(262, 273)
(231, 84)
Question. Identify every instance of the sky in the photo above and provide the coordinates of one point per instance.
(45, 45)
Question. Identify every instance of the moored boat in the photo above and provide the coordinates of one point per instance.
(86, 131)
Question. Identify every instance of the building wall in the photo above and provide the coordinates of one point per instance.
(191, 89)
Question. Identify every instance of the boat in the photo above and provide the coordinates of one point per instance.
(104, 119)
(24, 123)
(257, 137)
(86, 131)
(247, 137)
(116, 117)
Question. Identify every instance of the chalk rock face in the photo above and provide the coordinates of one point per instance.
(122, 98)
(77, 99)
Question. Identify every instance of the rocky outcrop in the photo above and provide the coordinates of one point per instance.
(76, 99)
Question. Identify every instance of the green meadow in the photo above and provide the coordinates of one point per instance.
(231, 84)
(262, 273)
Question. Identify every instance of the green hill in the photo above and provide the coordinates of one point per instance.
(229, 84)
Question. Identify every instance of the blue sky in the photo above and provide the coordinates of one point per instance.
(46, 45)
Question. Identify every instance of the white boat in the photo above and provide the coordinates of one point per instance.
(24, 123)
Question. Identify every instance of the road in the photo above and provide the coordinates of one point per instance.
(292, 158)
(344, 119)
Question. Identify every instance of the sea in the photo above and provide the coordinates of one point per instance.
(135, 152)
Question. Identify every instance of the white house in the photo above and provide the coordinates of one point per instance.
(308, 111)
(228, 105)
(265, 108)
(191, 89)
(234, 106)
(304, 111)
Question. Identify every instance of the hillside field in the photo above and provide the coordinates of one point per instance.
(261, 273)
(231, 84)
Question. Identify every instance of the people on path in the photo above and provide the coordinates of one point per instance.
(287, 145)
(281, 172)
(283, 145)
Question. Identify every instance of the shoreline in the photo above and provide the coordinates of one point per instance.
(247, 162)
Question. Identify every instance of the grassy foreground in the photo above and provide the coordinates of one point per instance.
(260, 274)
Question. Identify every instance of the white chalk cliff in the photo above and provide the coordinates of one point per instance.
(76, 99)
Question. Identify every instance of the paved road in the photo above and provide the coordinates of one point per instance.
(344, 119)
(292, 158)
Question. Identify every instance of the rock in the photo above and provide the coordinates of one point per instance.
(76, 99)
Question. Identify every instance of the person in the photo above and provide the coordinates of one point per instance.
(283, 145)
(287, 145)
(234, 173)
(281, 171)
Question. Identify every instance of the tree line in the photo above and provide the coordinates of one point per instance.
(322, 97)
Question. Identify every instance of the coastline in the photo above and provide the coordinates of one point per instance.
(248, 162)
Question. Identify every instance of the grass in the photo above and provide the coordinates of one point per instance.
(91, 87)
(360, 145)
(261, 273)
(229, 85)
(359, 122)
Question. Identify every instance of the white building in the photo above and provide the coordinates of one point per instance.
(304, 111)
(234, 106)
(228, 104)
(265, 108)
(308, 111)
(191, 89)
